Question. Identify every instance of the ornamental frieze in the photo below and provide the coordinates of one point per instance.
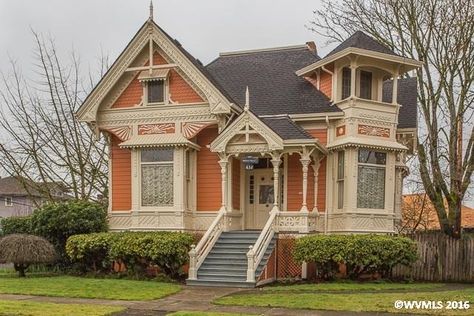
(373, 131)
(191, 129)
(164, 128)
(122, 132)
(341, 130)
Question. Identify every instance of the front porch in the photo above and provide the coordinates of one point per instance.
(255, 167)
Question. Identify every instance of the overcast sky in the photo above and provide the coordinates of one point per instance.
(204, 27)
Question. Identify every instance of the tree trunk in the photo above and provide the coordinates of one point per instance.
(20, 268)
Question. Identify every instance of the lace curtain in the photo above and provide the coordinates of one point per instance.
(371, 187)
(157, 185)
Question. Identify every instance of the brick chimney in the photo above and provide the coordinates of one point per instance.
(312, 47)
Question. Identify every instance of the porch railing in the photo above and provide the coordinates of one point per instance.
(257, 251)
(198, 253)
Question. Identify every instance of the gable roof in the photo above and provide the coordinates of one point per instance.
(286, 128)
(270, 75)
(363, 41)
(217, 94)
(15, 186)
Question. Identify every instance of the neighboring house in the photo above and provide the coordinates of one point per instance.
(15, 200)
(258, 142)
(418, 213)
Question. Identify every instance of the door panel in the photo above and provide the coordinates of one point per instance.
(260, 198)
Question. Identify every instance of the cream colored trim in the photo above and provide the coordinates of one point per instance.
(317, 116)
(271, 49)
(363, 52)
(217, 101)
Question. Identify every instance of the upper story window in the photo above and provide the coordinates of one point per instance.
(8, 201)
(365, 85)
(154, 85)
(156, 91)
(340, 179)
(371, 179)
(346, 83)
(157, 177)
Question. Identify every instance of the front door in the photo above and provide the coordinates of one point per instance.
(260, 198)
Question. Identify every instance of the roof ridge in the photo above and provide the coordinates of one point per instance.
(263, 50)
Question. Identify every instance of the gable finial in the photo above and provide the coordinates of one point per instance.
(151, 10)
(247, 99)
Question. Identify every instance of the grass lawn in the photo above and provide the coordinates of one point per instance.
(352, 286)
(190, 313)
(69, 286)
(368, 297)
(22, 308)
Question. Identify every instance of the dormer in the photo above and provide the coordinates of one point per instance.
(357, 70)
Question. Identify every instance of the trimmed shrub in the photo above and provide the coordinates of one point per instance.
(361, 254)
(91, 251)
(137, 250)
(58, 221)
(15, 225)
(23, 250)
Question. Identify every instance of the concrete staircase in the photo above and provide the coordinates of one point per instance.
(226, 263)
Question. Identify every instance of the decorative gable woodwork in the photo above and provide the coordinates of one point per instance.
(189, 83)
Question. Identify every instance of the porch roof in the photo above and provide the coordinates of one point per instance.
(366, 142)
(158, 140)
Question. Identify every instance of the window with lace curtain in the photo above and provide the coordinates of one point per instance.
(371, 179)
(157, 177)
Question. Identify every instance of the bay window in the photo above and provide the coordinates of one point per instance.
(340, 179)
(157, 177)
(371, 179)
(365, 85)
(346, 83)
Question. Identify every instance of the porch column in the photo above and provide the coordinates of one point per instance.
(396, 73)
(276, 161)
(223, 162)
(305, 160)
(316, 166)
(353, 67)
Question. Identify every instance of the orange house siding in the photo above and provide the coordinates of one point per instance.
(325, 84)
(236, 183)
(180, 91)
(295, 179)
(121, 177)
(208, 173)
(132, 95)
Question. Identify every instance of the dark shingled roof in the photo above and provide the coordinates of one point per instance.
(407, 97)
(361, 40)
(286, 128)
(270, 75)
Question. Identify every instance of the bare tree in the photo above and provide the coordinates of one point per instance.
(44, 145)
(441, 34)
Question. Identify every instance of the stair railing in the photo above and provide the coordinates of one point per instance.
(198, 253)
(257, 251)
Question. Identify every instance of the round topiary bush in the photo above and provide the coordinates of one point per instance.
(23, 250)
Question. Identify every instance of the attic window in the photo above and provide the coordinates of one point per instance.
(156, 91)
(155, 84)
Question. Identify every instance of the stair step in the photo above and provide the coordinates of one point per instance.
(233, 251)
(220, 283)
(227, 256)
(212, 261)
(224, 270)
(222, 276)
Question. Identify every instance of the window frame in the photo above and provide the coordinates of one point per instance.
(340, 175)
(157, 163)
(8, 204)
(364, 74)
(346, 71)
(147, 92)
(372, 165)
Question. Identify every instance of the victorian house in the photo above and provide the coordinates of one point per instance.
(254, 147)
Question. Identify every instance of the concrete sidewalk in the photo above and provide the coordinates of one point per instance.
(189, 299)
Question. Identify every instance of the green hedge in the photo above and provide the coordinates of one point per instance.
(57, 221)
(15, 225)
(138, 250)
(360, 253)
